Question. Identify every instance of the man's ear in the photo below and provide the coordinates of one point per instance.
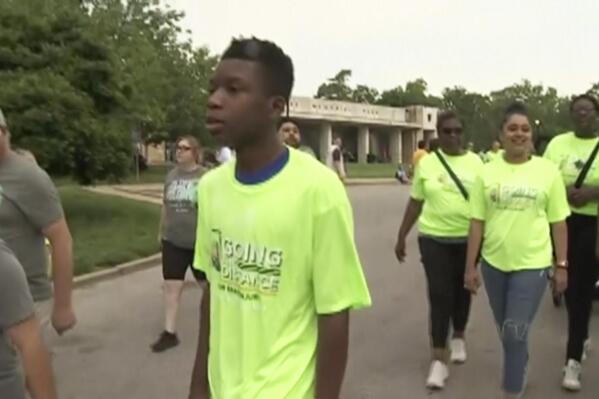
(278, 105)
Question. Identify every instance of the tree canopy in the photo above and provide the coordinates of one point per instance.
(79, 77)
(481, 113)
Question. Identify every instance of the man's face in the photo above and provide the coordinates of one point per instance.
(291, 134)
(239, 110)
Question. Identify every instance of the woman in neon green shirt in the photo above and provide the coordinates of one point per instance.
(442, 210)
(570, 152)
(518, 202)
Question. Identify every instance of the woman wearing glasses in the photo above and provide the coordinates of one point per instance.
(177, 232)
(439, 201)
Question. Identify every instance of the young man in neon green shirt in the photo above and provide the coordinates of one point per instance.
(275, 239)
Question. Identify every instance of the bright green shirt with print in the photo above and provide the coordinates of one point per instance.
(277, 254)
(445, 212)
(570, 153)
(517, 203)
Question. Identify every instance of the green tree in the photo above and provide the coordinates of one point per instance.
(365, 94)
(337, 87)
(415, 93)
(60, 90)
(474, 110)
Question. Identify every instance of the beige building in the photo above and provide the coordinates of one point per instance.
(388, 134)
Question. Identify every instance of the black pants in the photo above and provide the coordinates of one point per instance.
(582, 275)
(176, 261)
(444, 265)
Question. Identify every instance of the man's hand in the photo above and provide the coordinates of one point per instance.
(560, 280)
(472, 279)
(400, 249)
(63, 319)
(579, 197)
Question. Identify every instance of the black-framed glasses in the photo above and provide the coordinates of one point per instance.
(183, 148)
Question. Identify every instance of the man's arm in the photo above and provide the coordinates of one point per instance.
(63, 317)
(200, 388)
(333, 341)
(36, 361)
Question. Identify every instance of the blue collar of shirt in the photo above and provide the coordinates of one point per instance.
(266, 173)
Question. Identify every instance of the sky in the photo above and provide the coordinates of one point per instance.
(483, 45)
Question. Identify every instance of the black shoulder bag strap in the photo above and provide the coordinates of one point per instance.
(587, 166)
(453, 176)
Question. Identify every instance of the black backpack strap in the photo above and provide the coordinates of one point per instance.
(453, 176)
(587, 166)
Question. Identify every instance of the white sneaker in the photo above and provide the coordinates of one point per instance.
(458, 350)
(587, 348)
(571, 381)
(437, 375)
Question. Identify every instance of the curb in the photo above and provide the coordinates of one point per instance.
(119, 270)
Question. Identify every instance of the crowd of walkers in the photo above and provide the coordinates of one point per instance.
(520, 221)
(268, 233)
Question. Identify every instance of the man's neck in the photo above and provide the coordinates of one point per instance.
(252, 158)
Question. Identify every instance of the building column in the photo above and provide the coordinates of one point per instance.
(363, 144)
(325, 140)
(395, 146)
(419, 136)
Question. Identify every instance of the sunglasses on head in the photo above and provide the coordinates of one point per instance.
(449, 130)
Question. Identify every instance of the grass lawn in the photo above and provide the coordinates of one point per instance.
(371, 170)
(108, 230)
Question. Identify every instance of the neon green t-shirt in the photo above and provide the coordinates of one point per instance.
(570, 153)
(276, 254)
(517, 204)
(493, 156)
(445, 212)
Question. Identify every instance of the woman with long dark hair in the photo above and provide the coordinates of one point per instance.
(518, 204)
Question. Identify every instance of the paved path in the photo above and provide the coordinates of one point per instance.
(108, 355)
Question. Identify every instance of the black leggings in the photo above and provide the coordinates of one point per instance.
(444, 264)
(582, 275)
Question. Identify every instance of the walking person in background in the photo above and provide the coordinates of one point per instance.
(223, 154)
(439, 201)
(290, 132)
(575, 154)
(420, 153)
(31, 211)
(336, 159)
(518, 203)
(21, 345)
(177, 233)
(494, 153)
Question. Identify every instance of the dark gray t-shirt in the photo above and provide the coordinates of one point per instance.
(30, 203)
(181, 207)
(16, 305)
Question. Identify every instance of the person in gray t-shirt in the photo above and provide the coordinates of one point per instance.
(177, 233)
(19, 330)
(29, 212)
